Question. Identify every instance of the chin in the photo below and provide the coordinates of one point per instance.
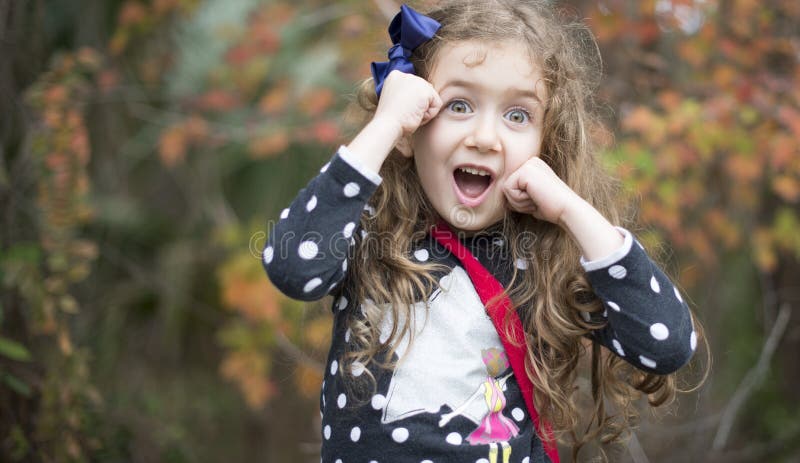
(466, 219)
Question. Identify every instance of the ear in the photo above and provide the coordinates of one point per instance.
(404, 146)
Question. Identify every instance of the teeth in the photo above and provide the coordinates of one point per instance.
(473, 171)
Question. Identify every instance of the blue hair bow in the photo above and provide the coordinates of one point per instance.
(408, 30)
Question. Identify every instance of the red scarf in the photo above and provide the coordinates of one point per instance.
(487, 287)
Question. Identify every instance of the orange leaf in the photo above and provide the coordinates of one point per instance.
(317, 101)
(786, 187)
(240, 54)
(269, 145)
(791, 118)
(784, 150)
(743, 169)
(274, 101)
(308, 380)
(325, 132)
(172, 146)
(132, 12)
(218, 100)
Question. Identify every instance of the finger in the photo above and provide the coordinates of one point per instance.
(434, 106)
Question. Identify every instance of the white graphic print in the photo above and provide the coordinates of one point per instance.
(444, 362)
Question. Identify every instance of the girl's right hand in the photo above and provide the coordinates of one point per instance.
(407, 101)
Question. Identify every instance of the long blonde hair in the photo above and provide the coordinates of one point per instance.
(552, 295)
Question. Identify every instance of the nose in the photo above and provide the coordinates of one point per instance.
(484, 136)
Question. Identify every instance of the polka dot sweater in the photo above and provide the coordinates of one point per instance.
(451, 396)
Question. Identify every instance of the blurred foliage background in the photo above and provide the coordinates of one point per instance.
(146, 144)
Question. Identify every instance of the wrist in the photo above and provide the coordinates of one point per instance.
(576, 209)
(386, 127)
(374, 142)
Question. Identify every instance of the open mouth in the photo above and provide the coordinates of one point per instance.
(471, 184)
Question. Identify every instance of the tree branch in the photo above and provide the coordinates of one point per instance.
(753, 378)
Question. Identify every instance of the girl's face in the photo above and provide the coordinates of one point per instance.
(490, 124)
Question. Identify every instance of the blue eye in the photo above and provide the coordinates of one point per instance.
(518, 116)
(459, 106)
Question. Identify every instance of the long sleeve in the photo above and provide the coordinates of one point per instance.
(306, 253)
(649, 324)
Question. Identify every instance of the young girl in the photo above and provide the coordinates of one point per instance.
(467, 229)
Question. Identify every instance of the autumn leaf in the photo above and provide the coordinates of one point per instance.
(787, 187)
(172, 146)
(325, 132)
(269, 145)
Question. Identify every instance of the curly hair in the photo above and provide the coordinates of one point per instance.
(553, 294)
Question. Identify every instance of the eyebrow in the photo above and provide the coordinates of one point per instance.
(470, 85)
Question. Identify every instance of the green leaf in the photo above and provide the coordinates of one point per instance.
(14, 350)
(17, 385)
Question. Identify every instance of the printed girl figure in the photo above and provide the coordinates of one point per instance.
(471, 210)
(494, 427)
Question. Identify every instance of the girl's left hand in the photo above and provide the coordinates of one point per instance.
(535, 189)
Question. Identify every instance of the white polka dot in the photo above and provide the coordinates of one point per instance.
(312, 203)
(518, 414)
(308, 250)
(370, 210)
(618, 347)
(348, 229)
(357, 369)
(327, 431)
(659, 331)
(334, 367)
(268, 254)
(526, 460)
(351, 189)
(341, 401)
(426, 461)
(285, 213)
(605, 313)
(400, 435)
(693, 340)
(325, 167)
(363, 235)
(421, 255)
(347, 335)
(647, 362)
(586, 317)
(678, 294)
(355, 434)
(453, 438)
(342, 303)
(312, 285)
(613, 305)
(617, 271)
(481, 460)
(378, 401)
(654, 284)
(344, 265)
(521, 264)
(338, 460)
